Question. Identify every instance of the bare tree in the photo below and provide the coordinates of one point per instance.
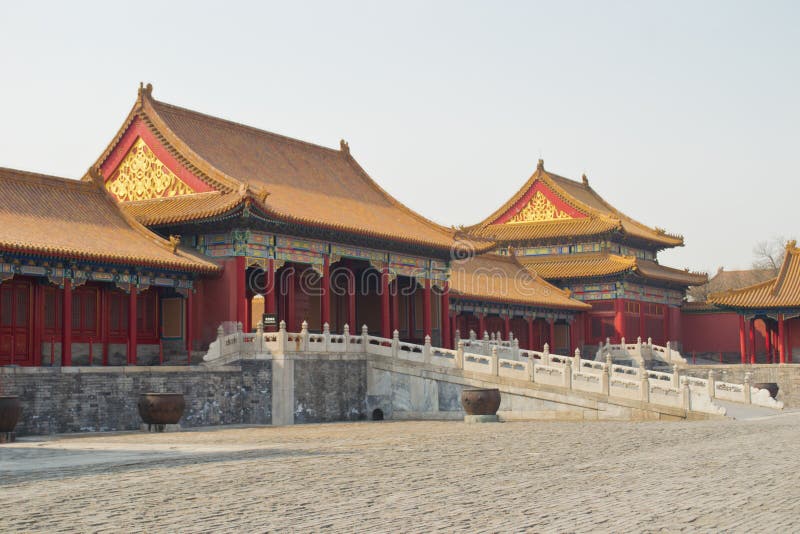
(769, 254)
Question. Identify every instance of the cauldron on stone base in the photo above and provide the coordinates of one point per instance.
(480, 405)
(10, 410)
(158, 410)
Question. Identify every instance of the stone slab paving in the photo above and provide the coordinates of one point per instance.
(739, 476)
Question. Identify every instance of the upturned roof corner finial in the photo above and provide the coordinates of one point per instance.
(540, 165)
(344, 146)
(584, 179)
(791, 244)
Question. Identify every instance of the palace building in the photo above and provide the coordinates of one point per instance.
(186, 219)
(566, 233)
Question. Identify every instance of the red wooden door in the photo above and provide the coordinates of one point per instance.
(15, 323)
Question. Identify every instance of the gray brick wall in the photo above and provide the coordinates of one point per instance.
(332, 390)
(81, 399)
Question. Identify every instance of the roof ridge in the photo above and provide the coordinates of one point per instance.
(357, 166)
(791, 250)
(31, 177)
(236, 124)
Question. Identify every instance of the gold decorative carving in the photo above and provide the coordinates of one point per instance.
(141, 176)
(538, 209)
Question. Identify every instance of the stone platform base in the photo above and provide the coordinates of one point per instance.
(160, 428)
(480, 419)
(8, 437)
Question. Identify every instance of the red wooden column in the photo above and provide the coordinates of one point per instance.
(642, 333)
(351, 300)
(781, 343)
(453, 328)
(102, 317)
(132, 326)
(481, 324)
(241, 290)
(573, 342)
(619, 318)
(447, 339)
(753, 340)
(189, 332)
(38, 322)
(290, 305)
(666, 323)
(270, 291)
(248, 315)
(385, 319)
(529, 320)
(66, 324)
(395, 306)
(325, 293)
(768, 341)
(742, 342)
(506, 325)
(426, 309)
(552, 340)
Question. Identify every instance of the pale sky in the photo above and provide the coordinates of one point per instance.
(684, 115)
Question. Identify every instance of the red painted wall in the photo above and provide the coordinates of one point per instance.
(710, 332)
(217, 301)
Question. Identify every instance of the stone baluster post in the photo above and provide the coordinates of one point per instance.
(639, 346)
(686, 394)
(567, 373)
(426, 350)
(546, 354)
(668, 352)
(472, 335)
(304, 336)
(282, 335)
(645, 385)
(220, 339)
(326, 333)
(622, 343)
(577, 363)
(605, 378)
(460, 355)
(515, 349)
(712, 386)
(649, 341)
(346, 334)
(747, 393)
(456, 337)
(395, 344)
(260, 337)
(495, 362)
(365, 338)
(676, 376)
(532, 369)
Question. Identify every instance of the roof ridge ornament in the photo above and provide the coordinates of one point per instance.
(344, 146)
(585, 180)
(540, 165)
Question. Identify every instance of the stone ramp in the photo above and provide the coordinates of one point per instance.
(738, 411)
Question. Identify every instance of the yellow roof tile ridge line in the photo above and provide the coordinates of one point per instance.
(234, 124)
(449, 232)
(791, 250)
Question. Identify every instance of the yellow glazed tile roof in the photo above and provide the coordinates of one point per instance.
(783, 291)
(572, 266)
(600, 216)
(296, 181)
(66, 218)
(496, 278)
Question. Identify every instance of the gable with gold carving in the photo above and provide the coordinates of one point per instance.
(539, 208)
(142, 176)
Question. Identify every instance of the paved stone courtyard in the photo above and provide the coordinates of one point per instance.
(412, 477)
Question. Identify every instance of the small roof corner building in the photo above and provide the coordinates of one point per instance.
(774, 302)
(565, 232)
